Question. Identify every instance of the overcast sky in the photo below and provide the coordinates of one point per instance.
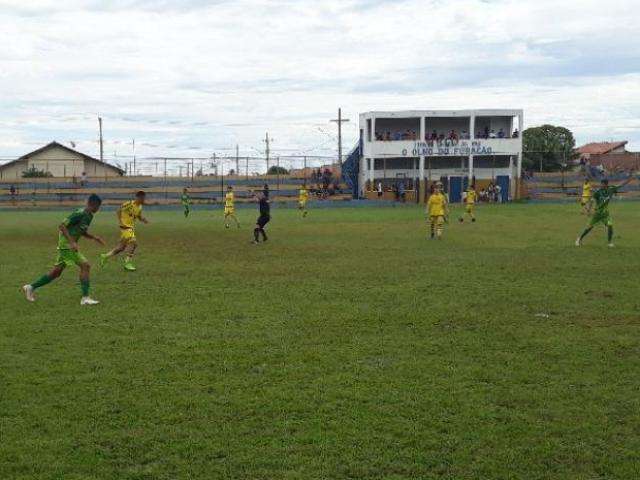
(192, 77)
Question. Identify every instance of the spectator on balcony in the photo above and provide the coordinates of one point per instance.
(387, 136)
(378, 137)
(453, 136)
(414, 135)
(492, 134)
(516, 133)
(434, 136)
(397, 136)
(441, 138)
(501, 133)
(464, 135)
(486, 132)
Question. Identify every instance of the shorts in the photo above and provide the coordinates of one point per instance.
(302, 204)
(470, 207)
(229, 211)
(436, 219)
(68, 258)
(603, 218)
(127, 235)
(263, 220)
(584, 200)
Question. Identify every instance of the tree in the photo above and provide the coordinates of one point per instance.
(547, 148)
(33, 172)
(276, 170)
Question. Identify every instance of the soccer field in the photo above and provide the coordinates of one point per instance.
(348, 346)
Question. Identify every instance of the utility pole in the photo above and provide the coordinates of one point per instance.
(340, 121)
(267, 150)
(134, 156)
(237, 159)
(101, 144)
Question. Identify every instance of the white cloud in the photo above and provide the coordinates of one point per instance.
(196, 76)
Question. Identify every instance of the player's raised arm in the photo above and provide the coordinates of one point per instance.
(627, 180)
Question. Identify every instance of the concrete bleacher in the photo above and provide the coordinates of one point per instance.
(160, 190)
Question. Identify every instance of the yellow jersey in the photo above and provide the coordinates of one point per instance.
(130, 212)
(228, 200)
(436, 205)
(303, 195)
(471, 197)
(586, 190)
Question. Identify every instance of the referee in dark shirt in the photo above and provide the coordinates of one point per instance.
(263, 219)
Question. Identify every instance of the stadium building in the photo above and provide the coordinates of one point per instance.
(419, 147)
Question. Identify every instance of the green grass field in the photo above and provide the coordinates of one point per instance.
(348, 346)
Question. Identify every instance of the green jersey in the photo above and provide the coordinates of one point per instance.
(602, 197)
(185, 199)
(77, 224)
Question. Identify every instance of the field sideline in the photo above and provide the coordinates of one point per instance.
(348, 346)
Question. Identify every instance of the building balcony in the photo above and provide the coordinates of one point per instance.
(465, 147)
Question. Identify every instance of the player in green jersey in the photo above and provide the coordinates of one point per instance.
(186, 201)
(70, 230)
(601, 198)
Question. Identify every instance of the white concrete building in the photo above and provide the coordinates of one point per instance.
(453, 146)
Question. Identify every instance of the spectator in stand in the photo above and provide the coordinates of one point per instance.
(501, 133)
(401, 192)
(378, 137)
(464, 135)
(397, 136)
(434, 136)
(387, 136)
(492, 134)
(441, 138)
(516, 133)
(486, 132)
(414, 135)
(453, 136)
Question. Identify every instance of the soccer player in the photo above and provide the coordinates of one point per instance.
(229, 208)
(127, 215)
(470, 199)
(70, 230)
(585, 199)
(263, 219)
(437, 210)
(602, 197)
(186, 201)
(303, 196)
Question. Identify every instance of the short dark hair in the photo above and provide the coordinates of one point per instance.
(605, 181)
(94, 199)
(140, 193)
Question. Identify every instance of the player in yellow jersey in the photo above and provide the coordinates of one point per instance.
(229, 208)
(128, 213)
(303, 196)
(470, 199)
(437, 210)
(586, 198)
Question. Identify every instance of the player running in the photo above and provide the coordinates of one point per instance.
(186, 201)
(470, 198)
(70, 230)
(437, 209)
(128, 213)
(303, 197)
(263, 219)
(585, 199)
(229, 208)
(602, 197)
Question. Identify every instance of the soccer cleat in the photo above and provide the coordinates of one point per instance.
(88, 301)
(473, 220)
(255, 242)
(103, 259)
(226, 225)
(611, 245)
(29, 293)
(130, 267)
(578, 242)
(461, 220)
